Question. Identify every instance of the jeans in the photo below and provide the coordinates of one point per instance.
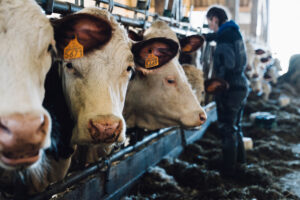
(230, 106)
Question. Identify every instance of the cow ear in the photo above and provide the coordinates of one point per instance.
(154, 53)
(91, 32)
(259, 52)
(215, 85)
(135, 36)
(191, 43)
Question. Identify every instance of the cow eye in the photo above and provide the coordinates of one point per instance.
(129, 68)
(50, 47)
(69, 65)
(171, 81)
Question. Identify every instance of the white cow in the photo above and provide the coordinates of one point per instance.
(95, 85)
(272, 71)
(27, 41)
(163, 97)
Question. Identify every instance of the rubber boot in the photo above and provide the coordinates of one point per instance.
(229, 148)
(241, 153)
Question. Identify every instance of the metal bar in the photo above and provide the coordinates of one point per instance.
(122, 6)
(67, 182)
(65, 7)
(129, 21)
(47, 5)
(130, 149)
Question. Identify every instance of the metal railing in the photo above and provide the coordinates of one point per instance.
(103, 166)
(64, 8)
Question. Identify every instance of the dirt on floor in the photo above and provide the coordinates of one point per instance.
(272, 170)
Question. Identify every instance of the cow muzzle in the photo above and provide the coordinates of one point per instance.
(21, 138)
(105, 128)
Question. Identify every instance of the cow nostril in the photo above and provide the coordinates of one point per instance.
(3, 127)
(202, 117)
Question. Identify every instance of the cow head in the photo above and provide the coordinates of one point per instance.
(26, 36)
(162, 97)
(95, 84)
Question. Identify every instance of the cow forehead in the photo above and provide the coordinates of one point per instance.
(117, 51)
(160, 29)
(24, 30)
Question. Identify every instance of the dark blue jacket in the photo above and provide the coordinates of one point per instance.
(230, 55)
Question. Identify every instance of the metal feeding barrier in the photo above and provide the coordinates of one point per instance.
(111, 177)
(64, 8)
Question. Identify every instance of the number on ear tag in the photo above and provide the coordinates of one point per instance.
(151, 60)
(73, 50)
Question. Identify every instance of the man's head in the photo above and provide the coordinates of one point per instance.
(216, 16)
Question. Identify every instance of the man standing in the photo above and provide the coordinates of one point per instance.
(229, 65)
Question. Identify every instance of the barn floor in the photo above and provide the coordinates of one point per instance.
(272, 170)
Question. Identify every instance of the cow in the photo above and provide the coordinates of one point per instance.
(27, 40)
(272, 71)
(163, 97)
(259, 81)
(196, 79)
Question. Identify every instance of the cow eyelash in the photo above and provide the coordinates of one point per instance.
(69, 65)
(50, 48)
(129, 68)
(171, 81)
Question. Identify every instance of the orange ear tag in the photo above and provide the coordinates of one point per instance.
(151, 60)
(73, 50)
(187, 48)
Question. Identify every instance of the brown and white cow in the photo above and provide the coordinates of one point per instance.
(26, 38)
(163, 97)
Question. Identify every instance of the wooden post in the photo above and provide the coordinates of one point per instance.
(159, 6)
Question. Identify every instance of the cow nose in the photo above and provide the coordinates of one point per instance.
(202, 117)
(248, 68)
(106, 131)
(22, 136)
(23, 128)
(255, 75)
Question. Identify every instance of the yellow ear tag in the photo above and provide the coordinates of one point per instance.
(187, 48)
(151, 60)
(73, 50)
